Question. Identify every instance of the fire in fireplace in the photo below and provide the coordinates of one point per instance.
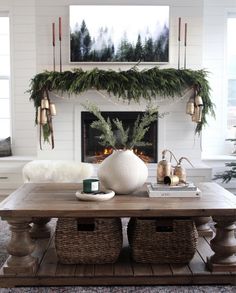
(93, 152)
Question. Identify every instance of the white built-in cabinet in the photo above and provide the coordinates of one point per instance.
(11, 174)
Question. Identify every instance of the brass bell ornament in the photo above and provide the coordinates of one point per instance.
(195, 114)
(52, 108)
(45, 111)
(198, 101)
(39, 115)
(43, 118)
(190, 106)
(45, 103)
(194, 106)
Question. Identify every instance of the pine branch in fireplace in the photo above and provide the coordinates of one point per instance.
(113, 133)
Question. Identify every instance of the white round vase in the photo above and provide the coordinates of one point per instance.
(123, 172)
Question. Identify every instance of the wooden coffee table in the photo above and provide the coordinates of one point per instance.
(35, 263)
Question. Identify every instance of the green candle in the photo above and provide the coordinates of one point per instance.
(90, 185)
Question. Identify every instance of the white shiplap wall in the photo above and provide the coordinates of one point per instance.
(214, 39)
(176, 132)
(23, 67)
(32, 52)
(214, 57)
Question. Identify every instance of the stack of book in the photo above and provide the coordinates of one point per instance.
(183, 190)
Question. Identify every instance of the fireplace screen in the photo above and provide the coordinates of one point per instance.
(93, 152)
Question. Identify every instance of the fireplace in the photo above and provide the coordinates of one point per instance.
(93, 152)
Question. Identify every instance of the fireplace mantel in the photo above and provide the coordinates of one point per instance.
(129, 85)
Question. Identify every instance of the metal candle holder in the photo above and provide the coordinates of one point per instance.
(164, 167)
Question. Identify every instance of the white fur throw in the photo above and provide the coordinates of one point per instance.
(56, 171)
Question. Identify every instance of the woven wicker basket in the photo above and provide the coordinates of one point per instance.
(88, 241)
(162, 240)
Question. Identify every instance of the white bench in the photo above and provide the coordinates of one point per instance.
(56, 171)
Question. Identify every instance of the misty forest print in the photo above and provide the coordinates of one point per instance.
(119, 33)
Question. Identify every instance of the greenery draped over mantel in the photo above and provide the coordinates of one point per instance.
(132, 84)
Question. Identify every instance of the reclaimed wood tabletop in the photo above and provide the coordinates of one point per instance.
(59, 200)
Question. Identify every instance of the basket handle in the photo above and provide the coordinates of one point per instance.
(86, 224)
(164, 225)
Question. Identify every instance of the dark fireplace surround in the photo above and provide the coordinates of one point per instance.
(93, 152)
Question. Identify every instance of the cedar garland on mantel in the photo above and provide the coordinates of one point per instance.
(132, 84)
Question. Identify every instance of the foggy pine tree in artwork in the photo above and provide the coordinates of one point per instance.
(102, 48)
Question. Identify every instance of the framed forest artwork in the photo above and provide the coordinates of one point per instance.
(119, 33)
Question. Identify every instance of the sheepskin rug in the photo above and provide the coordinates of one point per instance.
(56, 171)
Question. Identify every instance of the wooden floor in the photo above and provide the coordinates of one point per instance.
(123, 272)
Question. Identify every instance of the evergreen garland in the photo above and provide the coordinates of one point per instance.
(129, 85)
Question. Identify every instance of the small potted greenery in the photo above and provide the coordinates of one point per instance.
(230, 173)
(123, 171)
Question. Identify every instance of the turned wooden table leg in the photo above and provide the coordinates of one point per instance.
(20, 247)
(203, 228)
(223, 245)
(40, 229)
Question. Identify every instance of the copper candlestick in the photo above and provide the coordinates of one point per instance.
(53, 46)
(60, 43)
(185, 45)
(179, 38)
